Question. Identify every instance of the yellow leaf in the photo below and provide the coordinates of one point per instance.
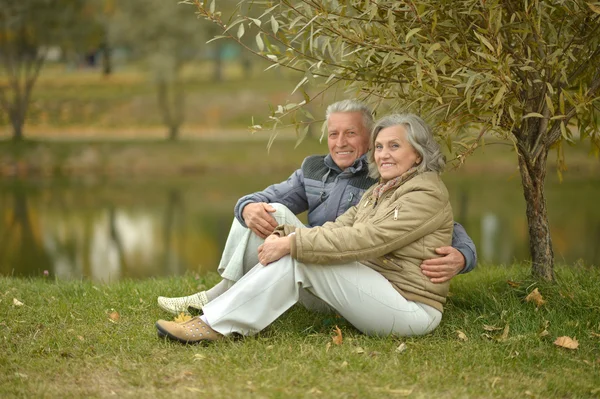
(114, 315)
(491, 328)
(337, 339)
(16, 302)
(535, 297)
(401, 348)
(594, 8)
(513, 283)
(505, 333)
(182, 317)
(359, 350)
(566, 342)
(461, 335)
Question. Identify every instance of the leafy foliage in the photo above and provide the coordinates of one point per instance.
(502, 67)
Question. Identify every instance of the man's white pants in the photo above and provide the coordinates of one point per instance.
(358, 293)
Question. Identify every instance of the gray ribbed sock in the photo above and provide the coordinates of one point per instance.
(218, 289)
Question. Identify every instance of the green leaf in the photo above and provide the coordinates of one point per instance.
(274, 25)
(411, 33)
(499, 96)
(434, 47)
(259, 42)
(485, 42)
(533, 115)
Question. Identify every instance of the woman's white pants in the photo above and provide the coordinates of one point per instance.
(358, 293)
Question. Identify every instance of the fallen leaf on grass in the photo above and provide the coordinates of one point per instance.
(401, 348)
(337, 339)
(461, 335)
(21, 375)
(566, 342)
(491, 328)
(16, 302)
(505, 333)
(535, 297)
(314, 391)
(182, 317)
(199, 356)
(544, 333)
(359, 350)
(114, 316)
(513, 283)
(400, 392)
(595, 334)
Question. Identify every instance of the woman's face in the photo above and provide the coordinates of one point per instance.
(394, 155)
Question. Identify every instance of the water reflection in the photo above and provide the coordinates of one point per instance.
(106, 232)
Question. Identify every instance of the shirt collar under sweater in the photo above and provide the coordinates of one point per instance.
(357, 166)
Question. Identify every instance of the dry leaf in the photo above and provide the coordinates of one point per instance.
(327, 346)
(491, 328)
(16, 302)
(513, 283)
(505, 333)
(544, 333)
(401, 348)
(80, 338)
(269, 347)
(535, 297)
(566, 342)
(114, 316)
(314, 391)
(400, 392)
(199, 356)
(461, 335)
(337, 339)
(595, 334)
(359, 350)
(344, 364)
(182, 318)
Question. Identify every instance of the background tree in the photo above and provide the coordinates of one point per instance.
(525, 72)
(166, 36)
(28, 28)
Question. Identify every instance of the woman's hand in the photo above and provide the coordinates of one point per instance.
(273, 249)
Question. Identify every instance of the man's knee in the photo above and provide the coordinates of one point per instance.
(283, 215)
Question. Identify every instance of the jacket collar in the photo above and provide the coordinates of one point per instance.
(357, 166)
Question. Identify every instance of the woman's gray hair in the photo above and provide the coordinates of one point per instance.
(418, 134)
(352, 106)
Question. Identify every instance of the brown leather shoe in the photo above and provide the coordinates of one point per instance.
(189, 332)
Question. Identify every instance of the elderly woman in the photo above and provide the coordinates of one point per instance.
(365, 265)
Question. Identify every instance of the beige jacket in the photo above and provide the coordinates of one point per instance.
(392, 236)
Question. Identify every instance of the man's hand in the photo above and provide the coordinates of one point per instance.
(258, 218)
(443, 269)
(273, 249)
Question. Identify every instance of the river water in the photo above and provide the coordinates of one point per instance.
(138, 228)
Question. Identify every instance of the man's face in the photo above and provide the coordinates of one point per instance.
(347, 138)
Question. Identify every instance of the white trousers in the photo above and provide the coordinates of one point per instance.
(241, 248)
(360, 295)
(241, 253)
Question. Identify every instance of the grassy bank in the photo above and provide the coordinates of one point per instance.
(62, 342)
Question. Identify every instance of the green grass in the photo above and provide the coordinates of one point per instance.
(61, 343)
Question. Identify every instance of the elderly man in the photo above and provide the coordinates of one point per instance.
(325, 186)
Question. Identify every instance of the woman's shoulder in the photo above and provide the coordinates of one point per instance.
(426, 182)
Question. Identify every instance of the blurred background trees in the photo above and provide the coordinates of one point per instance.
(29, 29)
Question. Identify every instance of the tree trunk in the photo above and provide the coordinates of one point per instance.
(17, 131)
(540, 243)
